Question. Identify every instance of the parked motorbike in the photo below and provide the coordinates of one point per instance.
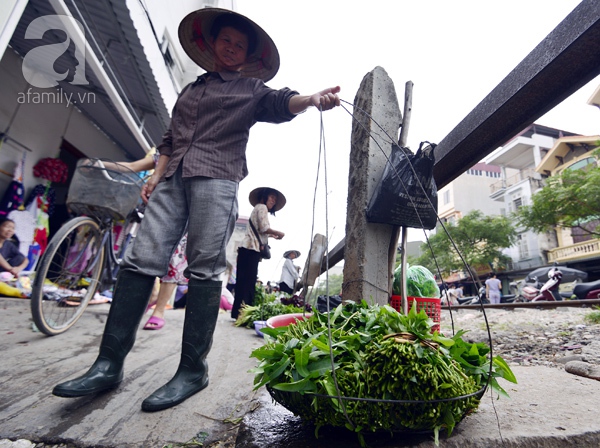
(528, 289)
(475, 300)
(549, 291)
(589, 290)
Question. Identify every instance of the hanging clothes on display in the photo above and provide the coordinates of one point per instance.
(43, 197)
(13, 209)
(40, 204)
(14, 195)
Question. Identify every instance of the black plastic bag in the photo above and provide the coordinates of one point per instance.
(334, 301)
(406, 196)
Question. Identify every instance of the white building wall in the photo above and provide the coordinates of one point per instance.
(525, 153)
(473, 193)
(542, 142)
(41, 127)
(467, 193)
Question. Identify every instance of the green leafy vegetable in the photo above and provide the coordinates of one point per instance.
(265, 306)
(420, 282)
(378, 354)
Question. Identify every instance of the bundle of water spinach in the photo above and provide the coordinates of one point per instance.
(402, 376)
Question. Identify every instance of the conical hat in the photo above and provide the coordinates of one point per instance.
(289, 252)
(196, 40)
(255, 194)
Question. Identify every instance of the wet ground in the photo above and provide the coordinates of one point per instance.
(548, 408)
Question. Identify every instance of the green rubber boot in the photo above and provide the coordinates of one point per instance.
(130, 299)
(201, 312)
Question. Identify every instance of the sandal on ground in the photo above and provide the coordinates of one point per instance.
(154, 323)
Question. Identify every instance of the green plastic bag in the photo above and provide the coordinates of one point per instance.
(420, 282)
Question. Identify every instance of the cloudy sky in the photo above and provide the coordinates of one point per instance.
(455, 53)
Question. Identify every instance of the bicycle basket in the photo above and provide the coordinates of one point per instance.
(103, 192)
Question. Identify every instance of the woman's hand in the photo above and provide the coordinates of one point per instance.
(159, 170)
(277, 234)
(326, 99)
(149, 187)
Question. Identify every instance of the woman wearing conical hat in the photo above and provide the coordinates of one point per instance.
(289, 272)
(202, 160)
(265, 200)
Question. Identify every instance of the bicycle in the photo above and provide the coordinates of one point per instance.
(82, 255)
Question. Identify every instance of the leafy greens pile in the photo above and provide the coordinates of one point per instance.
(266, 305)
(263, 311)
(378, 354)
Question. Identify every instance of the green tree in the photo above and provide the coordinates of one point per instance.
(569, 200)
(478, 240)
(335, 285)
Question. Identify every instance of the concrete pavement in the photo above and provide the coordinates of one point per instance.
(548, 408)
(33, 363)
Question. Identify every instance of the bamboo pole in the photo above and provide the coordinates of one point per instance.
(402, 139)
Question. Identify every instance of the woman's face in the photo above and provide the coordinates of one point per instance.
(271, 201)
(231, 48)
(7, 230)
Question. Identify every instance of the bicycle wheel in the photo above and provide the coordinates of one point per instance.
(67, 275)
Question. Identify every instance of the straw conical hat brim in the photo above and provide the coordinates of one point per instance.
(254, 197)
(289, 252)
(194, 35)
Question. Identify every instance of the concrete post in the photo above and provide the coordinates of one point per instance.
(366, 246)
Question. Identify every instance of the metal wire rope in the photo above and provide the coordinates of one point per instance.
(482, 390)
(322, 151)
(412, 202)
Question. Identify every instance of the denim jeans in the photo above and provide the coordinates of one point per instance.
(210, 206)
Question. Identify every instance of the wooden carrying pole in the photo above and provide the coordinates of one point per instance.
(408, 89)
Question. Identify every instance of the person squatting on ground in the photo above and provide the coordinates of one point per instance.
(289, 272)
(11, 259)
(265, 200)
(202, 160)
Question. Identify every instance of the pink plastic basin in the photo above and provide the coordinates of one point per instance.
(283, 320)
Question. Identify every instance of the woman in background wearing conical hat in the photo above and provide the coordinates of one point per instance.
(265, 200)
(289, 272)
(202, 160)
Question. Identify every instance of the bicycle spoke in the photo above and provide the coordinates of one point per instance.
(68, 275)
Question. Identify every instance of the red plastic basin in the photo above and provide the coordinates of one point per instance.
(283, 320)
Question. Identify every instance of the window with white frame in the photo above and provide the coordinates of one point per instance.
(446, 197)
(516, 204)
(522, 246)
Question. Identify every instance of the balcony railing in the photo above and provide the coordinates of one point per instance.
(585, 249)
(502, 184)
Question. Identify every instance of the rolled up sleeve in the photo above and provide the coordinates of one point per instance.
(274, 106)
